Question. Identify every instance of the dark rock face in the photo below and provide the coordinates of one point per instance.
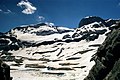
(4, 71)
(75, 35)
(107, 59)
(1, 34)
(111, 22)
(89, 35)
(9, 43)
(44, 33)
(115, 72)
(91, 19)
(66, 36)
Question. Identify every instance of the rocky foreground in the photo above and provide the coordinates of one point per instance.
(107, 58)
(4, 71)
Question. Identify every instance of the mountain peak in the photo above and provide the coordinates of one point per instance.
(91, 19)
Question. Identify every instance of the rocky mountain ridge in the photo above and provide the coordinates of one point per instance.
(102, 22)
(42, 49)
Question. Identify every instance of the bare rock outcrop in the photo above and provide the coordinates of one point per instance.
(107, 59)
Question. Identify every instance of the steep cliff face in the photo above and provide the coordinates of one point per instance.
(107, 59)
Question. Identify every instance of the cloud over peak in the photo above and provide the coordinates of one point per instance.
(28, 8)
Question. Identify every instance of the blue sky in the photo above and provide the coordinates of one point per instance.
(66, 13)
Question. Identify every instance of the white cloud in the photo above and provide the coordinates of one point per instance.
(0, 10)
(118, 4)
(41, 18)
(28, 7)
(6, 12)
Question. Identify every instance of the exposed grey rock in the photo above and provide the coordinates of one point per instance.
(67, 36)
(107, 59)
(4, 71)
(91, 19)
(9, 43)
(114, 74)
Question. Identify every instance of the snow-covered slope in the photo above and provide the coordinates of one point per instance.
(39, 32)
(46, 52)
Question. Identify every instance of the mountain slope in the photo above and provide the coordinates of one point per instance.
(44, 49)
